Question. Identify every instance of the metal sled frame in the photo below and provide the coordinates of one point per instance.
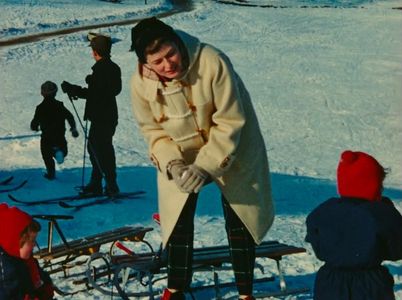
(149, 268)
(144, 269)
(62, 257)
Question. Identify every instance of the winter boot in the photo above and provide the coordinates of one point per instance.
(112, 189)
(247, 298)
(49, 176)
(58, 155)
(92, 188)
(168, 295)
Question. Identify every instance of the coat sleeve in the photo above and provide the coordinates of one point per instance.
(391, 231)
(162, 149)
(313, 234)
(35, 121)
(114, 82)
(217, 154)
(69, 117)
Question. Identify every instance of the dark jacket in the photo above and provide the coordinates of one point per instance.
(104, 84)
(50, 117)
(15, 281)
(353, 237)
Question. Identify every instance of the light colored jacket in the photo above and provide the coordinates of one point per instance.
(206, 118)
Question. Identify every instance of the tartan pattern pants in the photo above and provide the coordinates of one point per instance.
(180, 249)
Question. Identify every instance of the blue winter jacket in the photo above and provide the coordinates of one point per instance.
(353, 237)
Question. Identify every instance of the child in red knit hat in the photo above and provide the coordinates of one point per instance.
(20, 275)
(355, 233)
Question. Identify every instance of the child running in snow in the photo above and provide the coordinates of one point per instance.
(50, 116)
(20, 274)
(355, 233)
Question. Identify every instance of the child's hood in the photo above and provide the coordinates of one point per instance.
(12, 222)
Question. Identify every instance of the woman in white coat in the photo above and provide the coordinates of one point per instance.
(198, 120)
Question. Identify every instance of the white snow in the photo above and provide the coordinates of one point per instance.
(322, 80)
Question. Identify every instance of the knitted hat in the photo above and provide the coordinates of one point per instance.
(147, 31)
(49, 88)
(102, 45)
(12, 222)
(360, 175)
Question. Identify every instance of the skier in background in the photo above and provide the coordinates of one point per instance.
(50, 116)
(355, 233)
(20, 274)
(104, 84)
(198, 119)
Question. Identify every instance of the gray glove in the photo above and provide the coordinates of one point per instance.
(193, 179)
(176, 168)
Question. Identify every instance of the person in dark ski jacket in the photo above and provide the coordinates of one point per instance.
(50, 116)
(355, 233)
(104, 84)
(21, 278)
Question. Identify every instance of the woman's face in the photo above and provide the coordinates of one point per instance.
(167, 62)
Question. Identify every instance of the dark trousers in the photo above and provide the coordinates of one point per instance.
(47, 149)
(101, 152)
(180, 249)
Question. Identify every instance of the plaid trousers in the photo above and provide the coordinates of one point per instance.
(180, 249)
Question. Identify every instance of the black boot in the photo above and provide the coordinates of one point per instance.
(112, 189)
(94, 187)
(49, 176)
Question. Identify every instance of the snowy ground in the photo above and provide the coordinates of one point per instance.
(322, 80)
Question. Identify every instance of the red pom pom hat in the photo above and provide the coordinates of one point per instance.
(12, 222)
(360, 175)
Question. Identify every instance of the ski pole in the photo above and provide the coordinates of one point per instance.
(84, 155)
(86, 137)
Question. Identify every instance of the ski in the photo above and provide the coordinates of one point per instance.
(7, 180)
(113, 1)
(103, 200)
(14, 188)
(49, 201)
(56, 200)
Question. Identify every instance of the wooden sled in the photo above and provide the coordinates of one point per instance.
(149, 268)
(65, 256)
(131, 273)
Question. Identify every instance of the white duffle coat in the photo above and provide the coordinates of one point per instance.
(207, 118)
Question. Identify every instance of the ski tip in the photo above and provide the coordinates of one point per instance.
(7, 180)
(12, 198)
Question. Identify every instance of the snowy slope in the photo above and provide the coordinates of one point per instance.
(322, 80)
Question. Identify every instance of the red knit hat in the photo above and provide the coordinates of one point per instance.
(12, 222)
(360, 175)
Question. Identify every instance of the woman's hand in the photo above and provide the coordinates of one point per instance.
(193, 179)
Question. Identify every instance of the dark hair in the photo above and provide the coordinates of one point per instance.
(48, 89)
(149, 35)
(32, 227)
(102, 45)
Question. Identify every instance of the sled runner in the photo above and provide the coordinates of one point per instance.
(147, 269)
